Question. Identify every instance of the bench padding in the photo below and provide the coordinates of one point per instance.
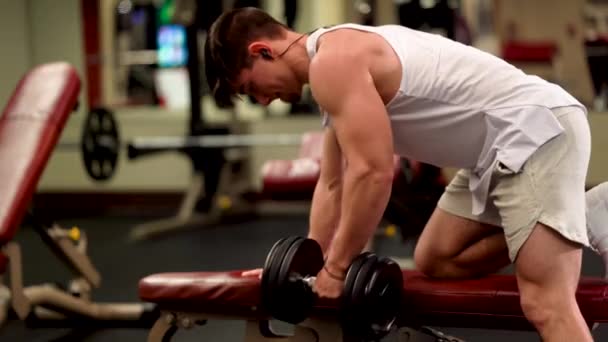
(30, 127)
(479, 301)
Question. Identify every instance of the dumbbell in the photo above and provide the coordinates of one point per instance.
(372, 288)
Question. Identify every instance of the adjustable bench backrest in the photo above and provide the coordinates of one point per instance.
(30, 127)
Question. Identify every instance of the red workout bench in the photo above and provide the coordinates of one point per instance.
(192, 298)
(294, 179)
(522, 51)
(283, 178)
(30, 127)
(492, 302)
(289, 179)
(535, 57)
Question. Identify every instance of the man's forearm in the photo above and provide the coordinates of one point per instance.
(364, 199)
(325, 213)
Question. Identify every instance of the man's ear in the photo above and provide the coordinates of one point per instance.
(260, 49)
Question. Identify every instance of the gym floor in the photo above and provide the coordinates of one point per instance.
(236, 246)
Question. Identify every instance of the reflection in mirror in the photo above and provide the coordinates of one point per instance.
(146, 43)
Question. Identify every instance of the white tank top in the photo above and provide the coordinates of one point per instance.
(461, 107)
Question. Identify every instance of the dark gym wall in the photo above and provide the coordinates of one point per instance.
(13, 33)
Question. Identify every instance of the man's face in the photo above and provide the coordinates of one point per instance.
(268, 80)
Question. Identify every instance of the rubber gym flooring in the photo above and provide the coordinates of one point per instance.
(237, 246)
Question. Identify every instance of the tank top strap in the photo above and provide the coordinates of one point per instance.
(313, 38)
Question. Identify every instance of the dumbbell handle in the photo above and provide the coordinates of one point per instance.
(309, 281)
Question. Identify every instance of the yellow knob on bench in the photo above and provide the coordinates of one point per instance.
(390, 230)
(74, 233)
(224, 202)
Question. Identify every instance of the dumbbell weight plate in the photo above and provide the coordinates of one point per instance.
(287, 298)
(272, 266)
(303, 259)
(372, 296)
(385, 293)
(353, 315)
(275, 269)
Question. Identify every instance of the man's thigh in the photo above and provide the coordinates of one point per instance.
(446, 235)
(452, 228)
(548, 261)
(550, 189)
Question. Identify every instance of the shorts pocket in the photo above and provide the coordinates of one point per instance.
(514, 195)
(503, 169)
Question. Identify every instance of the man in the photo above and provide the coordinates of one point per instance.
(523, 146)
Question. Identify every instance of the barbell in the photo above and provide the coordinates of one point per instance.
(370, 300)
(101, 144)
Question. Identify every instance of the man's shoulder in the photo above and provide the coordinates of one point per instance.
(332, 72)
(337, 49)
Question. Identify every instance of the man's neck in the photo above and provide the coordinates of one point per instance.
(297, 57)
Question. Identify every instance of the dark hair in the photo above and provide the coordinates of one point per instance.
(226, 47)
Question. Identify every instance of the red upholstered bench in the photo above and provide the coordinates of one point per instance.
(521, 51)
(290, 179)
(533, 57)
(294, 179)
(489, 302)
(30, 127)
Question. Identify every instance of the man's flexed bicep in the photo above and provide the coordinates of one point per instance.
(325, 209)
(343, 85)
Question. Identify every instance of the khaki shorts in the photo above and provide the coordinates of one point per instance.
(550, 188)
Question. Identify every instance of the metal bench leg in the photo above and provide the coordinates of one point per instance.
(257, 331)
(164, 329)
(5, 302)
(424, 334)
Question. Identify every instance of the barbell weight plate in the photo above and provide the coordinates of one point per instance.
(100, 144)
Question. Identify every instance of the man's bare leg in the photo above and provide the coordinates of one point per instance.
(548, 269)
(597, 221)
(455, 247)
